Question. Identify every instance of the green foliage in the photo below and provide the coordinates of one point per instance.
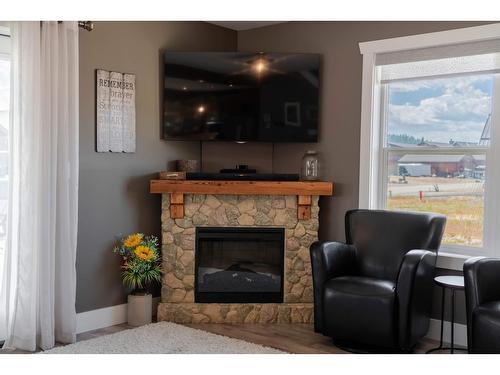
(139, 274)
(404, 138)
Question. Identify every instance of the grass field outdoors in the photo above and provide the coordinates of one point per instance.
(461, 200)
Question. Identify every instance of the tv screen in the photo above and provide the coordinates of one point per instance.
(240, 96)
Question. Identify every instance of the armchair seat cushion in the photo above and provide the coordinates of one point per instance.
(486, 327)
(360, 309)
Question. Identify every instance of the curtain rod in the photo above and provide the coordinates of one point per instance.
(86, 25)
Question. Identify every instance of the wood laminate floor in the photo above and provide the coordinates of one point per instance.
(291, 338)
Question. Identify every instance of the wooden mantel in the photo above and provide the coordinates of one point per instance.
(241, 187)
(304, 190)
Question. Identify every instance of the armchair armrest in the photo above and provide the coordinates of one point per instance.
(414, 294)
(328, 259)
(482, 284)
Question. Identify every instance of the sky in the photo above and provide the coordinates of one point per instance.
(441, 109)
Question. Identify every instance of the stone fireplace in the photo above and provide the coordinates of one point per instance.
(237, 259)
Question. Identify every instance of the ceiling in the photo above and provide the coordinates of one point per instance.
(244, 25)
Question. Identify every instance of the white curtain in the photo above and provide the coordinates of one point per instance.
(38, 292)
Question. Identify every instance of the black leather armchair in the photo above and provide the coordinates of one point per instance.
(376, 289)
(482, 296)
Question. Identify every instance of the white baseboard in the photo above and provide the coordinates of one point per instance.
(101, 318)
(105, 317)
(460, 332)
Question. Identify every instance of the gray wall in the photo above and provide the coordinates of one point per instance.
(340, 113)
(113, 195)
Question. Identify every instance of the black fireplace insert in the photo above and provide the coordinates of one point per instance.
(240, 265)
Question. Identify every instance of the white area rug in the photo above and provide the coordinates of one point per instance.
(163, 338)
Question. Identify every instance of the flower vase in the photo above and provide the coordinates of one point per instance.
(139, 309)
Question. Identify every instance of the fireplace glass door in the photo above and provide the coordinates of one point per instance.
(239, 265)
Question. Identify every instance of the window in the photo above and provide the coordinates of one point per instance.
(4, 138)
(429, 135)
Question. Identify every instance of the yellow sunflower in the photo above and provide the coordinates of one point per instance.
(144, 253)
(133, 240)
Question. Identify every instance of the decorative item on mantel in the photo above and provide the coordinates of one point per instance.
(115, 111)
(310, 166)
(172, 175)
(181, 168)
(141, 269)
(187, 165)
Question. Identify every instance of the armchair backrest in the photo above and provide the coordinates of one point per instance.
(382, 238)
(482, 280)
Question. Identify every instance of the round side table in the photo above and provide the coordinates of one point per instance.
(453, 283)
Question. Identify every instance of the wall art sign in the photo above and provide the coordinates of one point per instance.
(115, 111)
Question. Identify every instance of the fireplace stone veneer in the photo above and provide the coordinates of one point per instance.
(178, 248)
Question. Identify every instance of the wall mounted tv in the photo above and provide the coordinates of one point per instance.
(240, 96)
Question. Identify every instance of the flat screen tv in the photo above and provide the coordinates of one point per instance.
(240, 96)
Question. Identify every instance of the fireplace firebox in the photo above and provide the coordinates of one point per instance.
(239, 265)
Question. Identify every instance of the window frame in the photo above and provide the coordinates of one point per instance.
(373, 157)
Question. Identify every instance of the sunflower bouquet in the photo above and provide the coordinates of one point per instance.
(141, 261)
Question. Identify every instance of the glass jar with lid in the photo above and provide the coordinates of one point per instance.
(310, 166)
